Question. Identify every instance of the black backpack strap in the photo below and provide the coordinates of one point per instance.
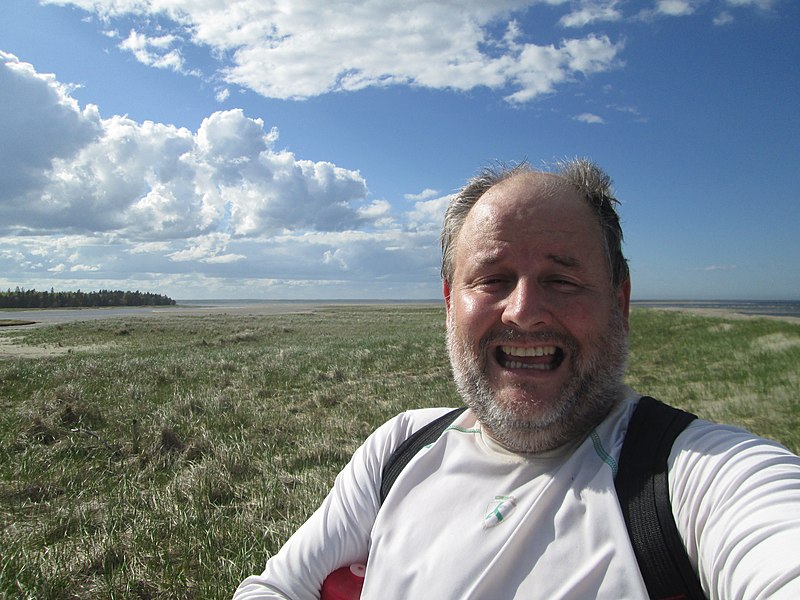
(413, 444)
(643, 492)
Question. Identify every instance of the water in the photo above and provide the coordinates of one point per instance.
(769, 308)
(189, 307)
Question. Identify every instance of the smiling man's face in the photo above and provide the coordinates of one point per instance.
(537, 335)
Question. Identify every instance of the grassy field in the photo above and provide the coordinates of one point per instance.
(169, 456)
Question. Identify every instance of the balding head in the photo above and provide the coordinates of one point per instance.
(583, 177)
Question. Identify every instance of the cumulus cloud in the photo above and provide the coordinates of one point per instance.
(151, 180)
(30, 143)
(321, 46)
(113, 201)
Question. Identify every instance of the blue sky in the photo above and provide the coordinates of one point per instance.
(307, 149)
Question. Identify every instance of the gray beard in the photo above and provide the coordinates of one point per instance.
(593, 389)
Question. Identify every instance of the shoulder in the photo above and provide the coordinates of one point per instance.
(399, 428)
(714, 461)
(382, 442)
(706, 442)
(737, 495)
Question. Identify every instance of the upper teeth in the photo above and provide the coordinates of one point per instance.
(537, 351)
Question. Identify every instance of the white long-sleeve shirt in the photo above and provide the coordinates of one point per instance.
(469, 519)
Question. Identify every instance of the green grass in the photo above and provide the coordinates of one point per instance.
(739, 371)
(169, 456)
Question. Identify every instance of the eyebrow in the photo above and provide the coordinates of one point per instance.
(565, 261)
(487, 259)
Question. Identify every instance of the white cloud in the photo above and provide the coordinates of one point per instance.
(320, 46)
(34, 107)
(335, 257)
(761, 4)
(150, 181)
(154, 51)
(676, 8)
(429, 214)
(723, 18)
(632, 111)
(590, 118)
(425, 194)
(539, 69)
(378, 212)
(683, 8)
(222, 95)
(592, 12)
(111, 202)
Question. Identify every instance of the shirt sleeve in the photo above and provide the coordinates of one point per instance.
(736, 501)
(338, 533)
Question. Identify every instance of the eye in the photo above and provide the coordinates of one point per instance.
(565, 284)
(491, 283)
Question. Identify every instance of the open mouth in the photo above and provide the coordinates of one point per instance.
(539, 358)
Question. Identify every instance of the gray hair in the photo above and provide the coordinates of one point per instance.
(591, 182)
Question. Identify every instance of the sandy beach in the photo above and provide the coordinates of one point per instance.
(49, 316)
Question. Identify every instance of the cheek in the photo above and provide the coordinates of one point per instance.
(587, 322)
(467, 311)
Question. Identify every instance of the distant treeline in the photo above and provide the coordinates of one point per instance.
(21, 298)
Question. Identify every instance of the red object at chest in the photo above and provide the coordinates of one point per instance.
(344, 583)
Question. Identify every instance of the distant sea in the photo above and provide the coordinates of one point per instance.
(320, 302)
(770, 308)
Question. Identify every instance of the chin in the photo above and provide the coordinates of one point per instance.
(529, 429)
(524, 418)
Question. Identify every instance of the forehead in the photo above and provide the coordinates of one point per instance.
(533, 203)
(531, 212)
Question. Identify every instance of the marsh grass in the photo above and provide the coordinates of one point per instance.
(168, 457)
(743, 372)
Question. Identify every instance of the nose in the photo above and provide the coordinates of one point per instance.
(526, 306)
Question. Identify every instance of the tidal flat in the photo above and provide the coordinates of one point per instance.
(168, 455)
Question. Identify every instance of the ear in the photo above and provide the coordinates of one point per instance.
(624, 300)
(446, 294)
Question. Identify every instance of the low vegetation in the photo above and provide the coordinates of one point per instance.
(169, 456)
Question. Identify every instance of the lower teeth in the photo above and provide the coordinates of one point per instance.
(519, 365)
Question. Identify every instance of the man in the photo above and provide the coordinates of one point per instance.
(516, 499)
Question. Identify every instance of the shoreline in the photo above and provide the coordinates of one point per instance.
(10, 347)
(28, 318)
(720, 313)
(787, 311)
